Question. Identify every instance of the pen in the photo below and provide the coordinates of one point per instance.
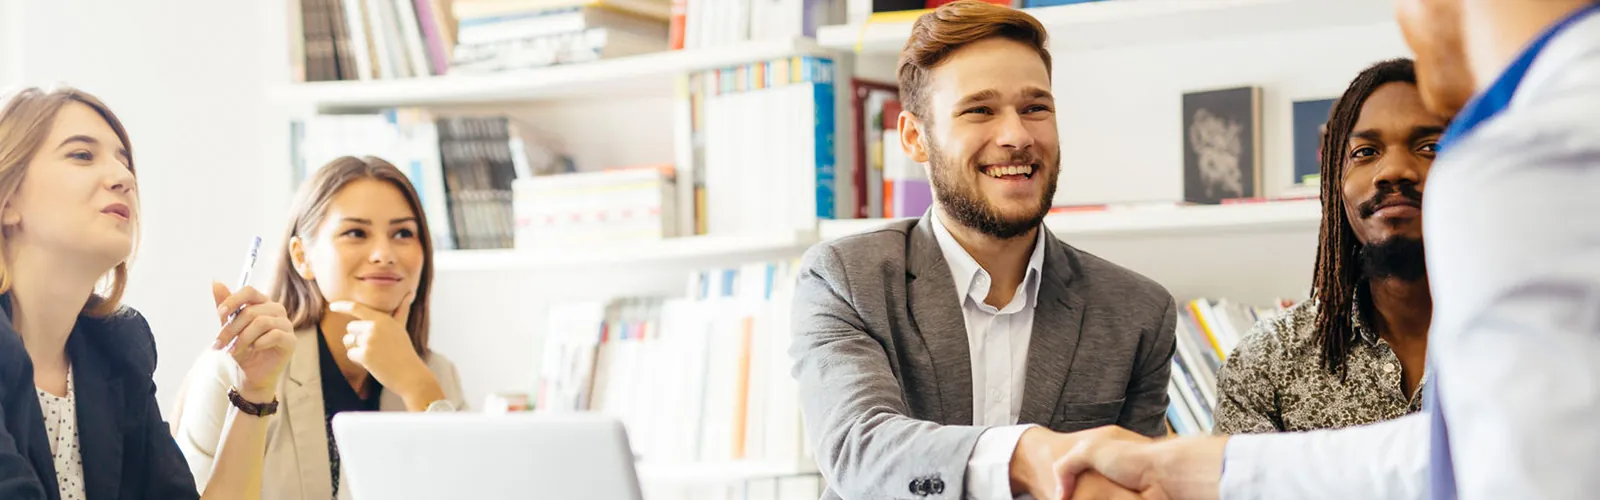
(249, 263)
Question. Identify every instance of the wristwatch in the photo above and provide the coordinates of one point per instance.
(255, 409)
(441, 406)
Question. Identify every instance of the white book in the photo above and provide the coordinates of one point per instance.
(377, 30)
(411, 33)
(356, 25)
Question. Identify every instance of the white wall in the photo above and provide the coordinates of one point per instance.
(188, 79)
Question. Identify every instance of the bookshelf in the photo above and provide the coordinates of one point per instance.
(1128, 22)
(1130, 223)
(647, 75)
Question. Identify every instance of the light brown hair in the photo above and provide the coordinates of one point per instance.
(950, 27)
(299, 296)
(25, 121)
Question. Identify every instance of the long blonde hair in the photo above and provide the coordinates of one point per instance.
(25, 121)
(301, 297)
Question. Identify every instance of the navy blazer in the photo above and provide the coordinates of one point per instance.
(128, 451)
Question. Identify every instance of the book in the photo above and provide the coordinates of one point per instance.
(1310, 126)
(1221, 145)
(867, 99)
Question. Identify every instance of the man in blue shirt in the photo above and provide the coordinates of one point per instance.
(1515, 270)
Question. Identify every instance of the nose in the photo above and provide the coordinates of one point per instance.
(1012, 134)
(382, 251)
(121, 181)
(1399, 168)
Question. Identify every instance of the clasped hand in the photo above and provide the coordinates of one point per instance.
(1166, 469)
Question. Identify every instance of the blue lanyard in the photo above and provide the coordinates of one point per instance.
(1497, 97)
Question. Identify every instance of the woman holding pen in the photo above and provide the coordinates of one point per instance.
(77, 402)
(355, 274)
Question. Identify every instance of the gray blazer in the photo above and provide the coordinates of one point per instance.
(881, 357)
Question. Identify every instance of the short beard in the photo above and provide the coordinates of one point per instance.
(962, 202)
(1397, 258)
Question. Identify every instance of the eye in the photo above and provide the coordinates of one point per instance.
(1364, 152)
(1037, 108)
(354, 233)
(81, 155)
(1431, 148)
(406, 233)
(981, 110)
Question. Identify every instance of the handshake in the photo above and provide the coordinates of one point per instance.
(1114, 463)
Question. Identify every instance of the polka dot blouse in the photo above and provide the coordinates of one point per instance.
(61, 423)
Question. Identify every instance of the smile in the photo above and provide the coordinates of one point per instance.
(1013, 172)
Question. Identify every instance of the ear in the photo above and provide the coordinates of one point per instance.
(912, 139)
(9, 217)
(297, 255)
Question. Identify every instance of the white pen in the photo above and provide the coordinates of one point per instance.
(244, 277)
(249, 263)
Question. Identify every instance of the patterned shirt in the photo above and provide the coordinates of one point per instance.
(61, 426)
(1275, 382)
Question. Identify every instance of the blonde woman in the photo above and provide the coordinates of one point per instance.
(355, 275)
(76, 395)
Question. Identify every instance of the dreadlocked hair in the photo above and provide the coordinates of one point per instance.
(1338, 273)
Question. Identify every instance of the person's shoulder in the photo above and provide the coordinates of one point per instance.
(1288, 334)
(124, 338)
(872, 249)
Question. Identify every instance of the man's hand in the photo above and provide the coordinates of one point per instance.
(1177, 469)
(1093, 486)
(1034, 463)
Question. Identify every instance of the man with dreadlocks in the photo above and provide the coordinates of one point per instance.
(1354, 353)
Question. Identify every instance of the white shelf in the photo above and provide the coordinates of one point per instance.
(717, 473)
(634, 76)
(1149, 222)
(1114, 23)
(1129, 223)
(687, 249)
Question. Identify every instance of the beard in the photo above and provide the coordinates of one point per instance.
(1398, 258)
(958, 195)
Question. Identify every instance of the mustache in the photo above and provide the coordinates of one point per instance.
(1015, 158)
(1407, 190)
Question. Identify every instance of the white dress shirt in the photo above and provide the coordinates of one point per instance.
(997, 341)
(1514, 265)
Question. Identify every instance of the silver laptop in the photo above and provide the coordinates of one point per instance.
(394, 455)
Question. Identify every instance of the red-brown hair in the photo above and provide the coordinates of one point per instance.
(955, 25)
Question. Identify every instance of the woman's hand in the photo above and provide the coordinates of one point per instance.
(378, 341)
(258, 335)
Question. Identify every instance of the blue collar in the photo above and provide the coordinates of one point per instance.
(1498, 96)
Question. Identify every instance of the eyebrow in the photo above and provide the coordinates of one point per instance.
(368, 222)
(991, 94)
(1417, 132)
(90, 141)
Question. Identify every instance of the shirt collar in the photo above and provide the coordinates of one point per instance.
(967, 272)
(1356, 324)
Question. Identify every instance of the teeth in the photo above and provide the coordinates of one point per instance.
(1002, 171)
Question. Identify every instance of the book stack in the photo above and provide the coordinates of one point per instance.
(756, 147)
(368, 39)
(703, 378)
(1208, 330)
(593, 208)
(699, 24)
(502, 35)
(462, 167)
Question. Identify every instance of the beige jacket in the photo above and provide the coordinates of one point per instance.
(296, 466)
